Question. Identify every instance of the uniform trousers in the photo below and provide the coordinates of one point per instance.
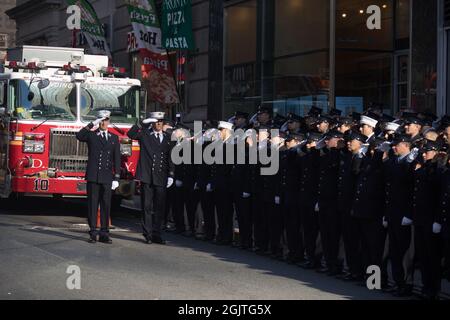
(242, 207)
(99, 194)
(223, 199)
(330, 233)
(401, 252)
(428, 248)
(153, 200)
(310, 220)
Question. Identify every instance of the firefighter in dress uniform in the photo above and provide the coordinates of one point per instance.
(102, 174)
(155, 171)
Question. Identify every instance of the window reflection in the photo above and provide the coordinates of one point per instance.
(240, 57)
(363, 56)
(301, 56)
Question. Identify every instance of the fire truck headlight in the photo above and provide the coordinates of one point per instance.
(34, 143)
(28, 147)
(126, 147)
(39, 148)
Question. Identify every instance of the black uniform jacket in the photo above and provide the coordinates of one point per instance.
(369, 201)
(309, 176)
(328, 176)
(155, 163)
(425, 199)
(398, 177)
(103, 156)
(444, 198)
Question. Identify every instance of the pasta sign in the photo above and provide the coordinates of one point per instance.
(156, 67)
(177, 25)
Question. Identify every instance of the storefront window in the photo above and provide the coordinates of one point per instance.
(240, 57)
(424, 56)
(300, 83)
(301, 56)
(301, 26)
(364, 56)
(402, 24)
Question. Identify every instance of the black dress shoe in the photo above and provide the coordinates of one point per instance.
(351, 277)
(158, 241)
(259, 251)
(387, 288)
(344, 276)
(323, 270)
(333, 272)
(148, 240)
(308, 265)
(402, 292)
(188, 234)
(106, 240)
(92, 240)
(277, 256)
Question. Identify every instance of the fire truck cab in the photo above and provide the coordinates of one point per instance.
(47, 94)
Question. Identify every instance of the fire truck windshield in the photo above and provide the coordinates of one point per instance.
(34, 101)
(121, 100)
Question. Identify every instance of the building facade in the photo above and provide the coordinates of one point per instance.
(7, 28)
(348, 54)
(285, 54)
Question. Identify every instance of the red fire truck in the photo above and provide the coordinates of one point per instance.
(47, 94)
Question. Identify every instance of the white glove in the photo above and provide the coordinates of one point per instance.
(179, 183)
(98, 121)
(413, 155)
(385, 146)
(316, 208)
(149, 120)
(437, 228)
(406, 222)
(245, 195)
(196, 186)
(115, 185)
(385, 223)
(277, 200)
(209, 188)
(169, 182)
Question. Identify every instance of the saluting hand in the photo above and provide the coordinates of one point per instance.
(149, 120)
(97, 122)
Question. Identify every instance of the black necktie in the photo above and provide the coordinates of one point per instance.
(158, 137)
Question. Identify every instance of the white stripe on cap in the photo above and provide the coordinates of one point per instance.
(225, 125)
(391, 126)
(369, 121)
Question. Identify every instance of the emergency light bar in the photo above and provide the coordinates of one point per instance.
(16, 65)
(77, 68)
(113, 71)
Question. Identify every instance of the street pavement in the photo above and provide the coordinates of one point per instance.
(41, 238)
